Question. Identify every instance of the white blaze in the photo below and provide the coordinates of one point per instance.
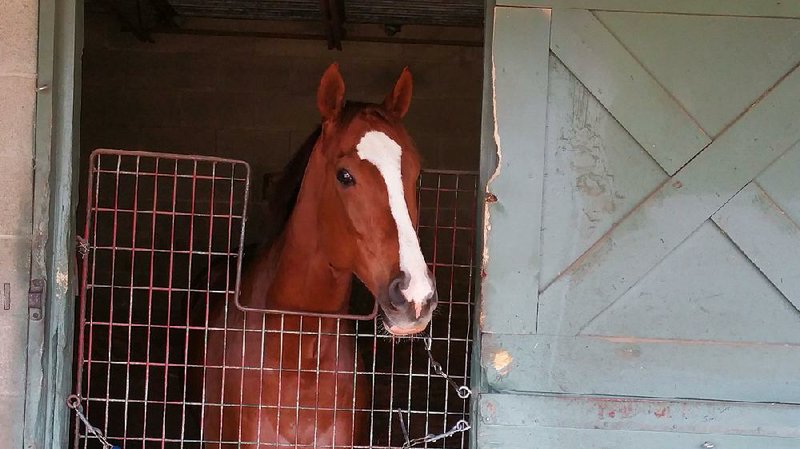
(384, 153)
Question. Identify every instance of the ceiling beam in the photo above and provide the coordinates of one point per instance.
(165, 12)
(332, 20)
(131, 20)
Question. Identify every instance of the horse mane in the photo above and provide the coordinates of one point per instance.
(281, 202)
(286, 189)
(283, 197)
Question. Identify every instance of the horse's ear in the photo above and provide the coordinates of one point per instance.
(330, 96)
(399, 99)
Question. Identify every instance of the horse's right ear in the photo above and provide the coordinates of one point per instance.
(330, 96)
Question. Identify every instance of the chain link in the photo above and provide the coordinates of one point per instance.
(74, 402)
(461, 426)
(462, 391)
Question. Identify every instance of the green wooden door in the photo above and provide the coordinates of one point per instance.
(642, 248)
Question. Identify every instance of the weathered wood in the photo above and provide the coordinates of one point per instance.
(782, 183)
(715, 67)
(766, 235)
(642, 367)
(625, 88)
(520, 52)
(50, 343)
(488, 164)
(502, 437)
(675, 210)
(748, 8)
(595, 172)
(639, 414)
(706, 289)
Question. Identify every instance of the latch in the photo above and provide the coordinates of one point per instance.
(35, 297)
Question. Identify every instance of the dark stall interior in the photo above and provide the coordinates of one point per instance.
(237, 80)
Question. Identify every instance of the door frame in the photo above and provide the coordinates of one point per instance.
(55, 158)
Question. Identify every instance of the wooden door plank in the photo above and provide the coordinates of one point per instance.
(626, 366)
(626, 89)
(525, 437)
(520, 54)
(639, 414)
(782, 183)
(764, 233)
(665, 219)
(747, 8)
(704, 289)
(714, 67)
(595, 172)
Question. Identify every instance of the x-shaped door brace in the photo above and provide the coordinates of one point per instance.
(708, 181)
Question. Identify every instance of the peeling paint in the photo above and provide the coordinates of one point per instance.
(489, 412)
(662, 412)
(487, 222)
(502, 362)
(62, 281)
(629, 352)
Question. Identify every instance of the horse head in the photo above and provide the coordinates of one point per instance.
(364, 170)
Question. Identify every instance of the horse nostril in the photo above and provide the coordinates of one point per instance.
(396, 297)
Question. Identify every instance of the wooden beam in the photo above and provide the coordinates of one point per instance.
(654, 368)
(129, 23)
(641, 414)
(675, 210)
(332, 17)
(165, 12)
(641, 105)
(766, 235)
(512, 217)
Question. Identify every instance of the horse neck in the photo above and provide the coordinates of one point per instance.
(293, 274)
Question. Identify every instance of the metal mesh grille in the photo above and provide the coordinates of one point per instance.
(154, 223)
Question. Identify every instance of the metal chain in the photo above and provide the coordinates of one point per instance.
(74, 402)
(461, 426)
(462, 391)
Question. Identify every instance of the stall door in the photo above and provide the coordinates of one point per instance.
(642, 264)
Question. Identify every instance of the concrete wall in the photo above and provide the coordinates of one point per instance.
(253, 98)
(18, 21)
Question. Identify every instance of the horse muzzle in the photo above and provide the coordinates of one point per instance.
(403, 313)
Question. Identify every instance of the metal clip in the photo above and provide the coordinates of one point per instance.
(83, 246)
(461, 426)
(463, 391)
(35, 296)
(74, 402)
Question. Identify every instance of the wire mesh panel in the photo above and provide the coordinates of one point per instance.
(156, 225)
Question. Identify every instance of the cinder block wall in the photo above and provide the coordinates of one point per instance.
(18, 19)
(253, 98)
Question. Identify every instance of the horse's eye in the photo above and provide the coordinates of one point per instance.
(345, 178)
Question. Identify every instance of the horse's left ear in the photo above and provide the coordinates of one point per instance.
(330, 96)
(399, 99)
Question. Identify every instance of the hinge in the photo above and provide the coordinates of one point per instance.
(35, 298)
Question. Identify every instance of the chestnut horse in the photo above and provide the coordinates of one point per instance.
(287, 381)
